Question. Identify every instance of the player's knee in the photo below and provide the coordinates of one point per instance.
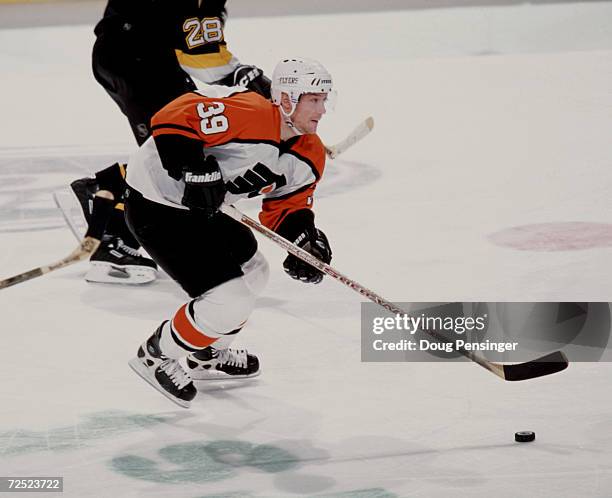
(226, 307)
(256, 273)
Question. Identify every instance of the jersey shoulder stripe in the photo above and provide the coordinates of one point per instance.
(172, 126)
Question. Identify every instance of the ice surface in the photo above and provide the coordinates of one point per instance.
(488, 121)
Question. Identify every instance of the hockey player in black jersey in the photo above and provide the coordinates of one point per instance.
(146, 54)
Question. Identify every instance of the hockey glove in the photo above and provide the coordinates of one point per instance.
(204, 187)
(315, 242)
(250, 77)
(299, 228)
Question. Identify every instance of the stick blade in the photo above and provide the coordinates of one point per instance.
(546, 365)
(360, 131)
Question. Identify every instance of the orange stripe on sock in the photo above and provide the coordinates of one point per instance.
(122, 169)
(186, 331)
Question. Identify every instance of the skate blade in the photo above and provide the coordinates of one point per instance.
(136, 365)
(106, 273)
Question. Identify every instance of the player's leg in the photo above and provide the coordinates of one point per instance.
(141, 80)
(140, 86)
(206, 256)
(117, 260)
(220, 360)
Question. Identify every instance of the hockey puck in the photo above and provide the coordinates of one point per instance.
(524, 436)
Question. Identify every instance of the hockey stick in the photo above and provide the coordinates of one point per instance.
(351, 139)
(103, 205)
(546, 365)
(76, 222)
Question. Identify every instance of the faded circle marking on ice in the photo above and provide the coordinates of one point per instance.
(561, 236)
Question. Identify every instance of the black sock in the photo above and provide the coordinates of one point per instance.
(117, 227)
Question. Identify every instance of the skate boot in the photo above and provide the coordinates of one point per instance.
(115, 262)
(163, 373)
(85, 189)
(222, 364)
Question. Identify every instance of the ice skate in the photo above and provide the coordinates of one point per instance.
(163, 373)
(115, 262)
(222, 364)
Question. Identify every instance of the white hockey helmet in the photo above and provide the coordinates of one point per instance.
(297, 76)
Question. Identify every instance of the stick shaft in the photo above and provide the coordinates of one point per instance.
(519, 371)
(320, 265)
(103, 205)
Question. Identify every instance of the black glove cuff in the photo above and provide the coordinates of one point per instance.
(296, 223)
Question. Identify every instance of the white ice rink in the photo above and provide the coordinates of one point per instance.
(488, 177)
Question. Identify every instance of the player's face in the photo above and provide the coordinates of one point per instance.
(309, 111)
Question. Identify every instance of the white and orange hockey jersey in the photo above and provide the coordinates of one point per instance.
(241, 130)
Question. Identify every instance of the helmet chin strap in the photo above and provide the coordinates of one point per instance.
(293, 127)
(289, 122)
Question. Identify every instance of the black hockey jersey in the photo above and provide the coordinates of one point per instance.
(192, 30)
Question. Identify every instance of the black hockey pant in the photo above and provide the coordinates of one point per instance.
(197, 252)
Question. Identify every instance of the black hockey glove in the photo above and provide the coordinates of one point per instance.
(250, 77)
(204, 187)
(316, 243)
(299, 228)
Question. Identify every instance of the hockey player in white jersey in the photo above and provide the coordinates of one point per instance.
(215, 146)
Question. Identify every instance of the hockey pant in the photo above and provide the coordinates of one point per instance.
(141, 80)
(215, 260)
